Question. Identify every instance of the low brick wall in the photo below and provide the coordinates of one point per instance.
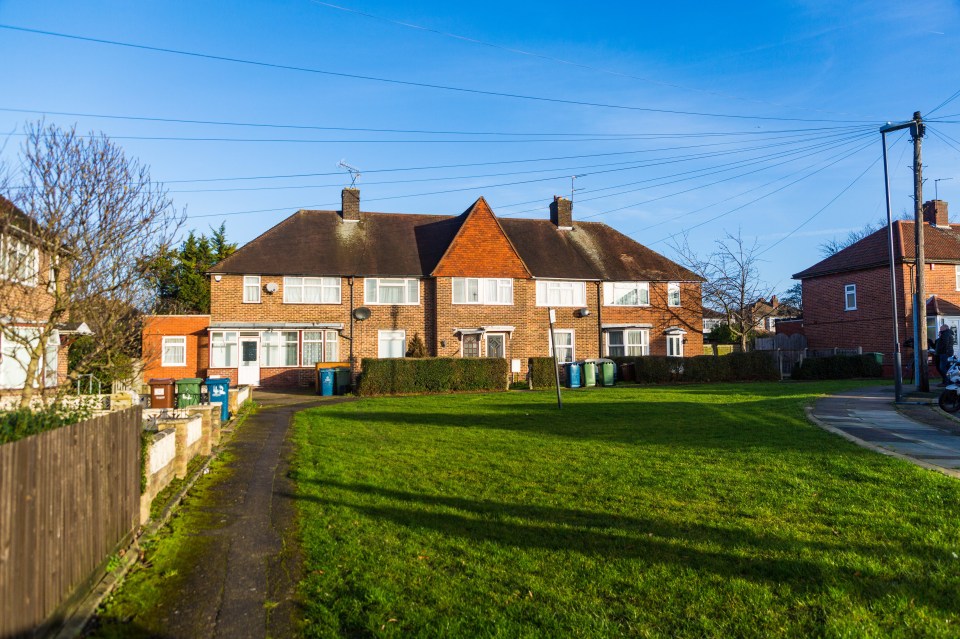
(238, 396)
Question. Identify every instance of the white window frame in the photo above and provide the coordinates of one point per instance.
(677, 340)
(849, 290)
(19, 261)
(390, 336)
(573, 344)
(329, 346)
(372, 286)
(224, 343)
(611, 294)
(501, 295)
(251, 289)
(170, 340)
(673, 291)
(14, 357)
(956, 277)
(281, 343)
(642, 344)
(551, 292)
(298, 284)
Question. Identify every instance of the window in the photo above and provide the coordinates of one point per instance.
(956, 276)
(311, 290)
(552, 293)
(634, 342)
(15, 356)
(391, 344)
(174, 351)
(626, 293)
(850, 297)
(251, 289)
(19, 261)
(320, 346)
(223, 349)
(278, 348)
(475, 290)
(673, 294)
(391, 291)
(675, 345)
(563, 342)
(51, 360)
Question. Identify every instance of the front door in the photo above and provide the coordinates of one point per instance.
(496, 345)
(249, 361)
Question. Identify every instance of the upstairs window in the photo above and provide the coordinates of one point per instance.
(476, 290)
(311, 290)
(398, 290)
(850, 297)
(673, 294)
(556, 293)
(956, 276)
(251, 289)
(626, 294)
(19, 261)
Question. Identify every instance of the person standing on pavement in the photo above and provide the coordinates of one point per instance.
(943, 350)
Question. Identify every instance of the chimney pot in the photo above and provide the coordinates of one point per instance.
(561, 212)
(350, 205)
(935, 213)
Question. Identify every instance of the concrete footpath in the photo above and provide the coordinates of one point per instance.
(915, 430)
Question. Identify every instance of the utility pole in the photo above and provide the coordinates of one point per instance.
(916, 132)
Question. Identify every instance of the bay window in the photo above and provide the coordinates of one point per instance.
(631, 342)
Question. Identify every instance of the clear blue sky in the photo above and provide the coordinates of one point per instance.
(809, 82)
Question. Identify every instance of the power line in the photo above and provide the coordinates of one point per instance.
(953, 97)
(410, 83)
(549, 58)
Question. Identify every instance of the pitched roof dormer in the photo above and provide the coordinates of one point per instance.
(481, 248)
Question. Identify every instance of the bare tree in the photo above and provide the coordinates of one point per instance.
(91, 220)
(733, 283)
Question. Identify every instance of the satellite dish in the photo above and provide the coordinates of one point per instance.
(271, 287)
(361, 313)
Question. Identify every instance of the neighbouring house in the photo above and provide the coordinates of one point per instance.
(338, 286)
(711, 320)
(766, 314)
(28, 288)
(846, 297)
(175, 346)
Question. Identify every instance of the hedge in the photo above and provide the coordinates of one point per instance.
(21, 423)
(735, 367)
(432, 375)
(837, 367)
(542, 374)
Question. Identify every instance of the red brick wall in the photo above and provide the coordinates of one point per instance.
(193, 327)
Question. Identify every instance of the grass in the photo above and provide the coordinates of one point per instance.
(695, 511)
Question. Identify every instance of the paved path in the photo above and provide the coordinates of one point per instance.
(249, 563)
(918, 432)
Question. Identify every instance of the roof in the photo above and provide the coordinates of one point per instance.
(12, 216)
(938, 306)
(940, 244)
(399, 244)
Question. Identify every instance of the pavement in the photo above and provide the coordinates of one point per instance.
(915, 430)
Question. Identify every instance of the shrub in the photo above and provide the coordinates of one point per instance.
(17, 424)
(837, 367)
(735, 367)
(542, 372)
(432, 375)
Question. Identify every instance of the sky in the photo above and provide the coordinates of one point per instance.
(682, 121)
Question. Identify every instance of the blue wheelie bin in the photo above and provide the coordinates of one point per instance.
(327, 376)
(573, 375)
(219, 390)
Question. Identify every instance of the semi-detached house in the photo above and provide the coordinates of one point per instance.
(339, 286)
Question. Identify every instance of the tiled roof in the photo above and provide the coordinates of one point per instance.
(394, 244)
(940, 244)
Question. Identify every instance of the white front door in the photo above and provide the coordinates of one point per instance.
(249, 372)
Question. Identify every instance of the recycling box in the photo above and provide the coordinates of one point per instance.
(219, 390)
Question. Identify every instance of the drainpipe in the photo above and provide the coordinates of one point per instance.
(350, 283)
(599, 319)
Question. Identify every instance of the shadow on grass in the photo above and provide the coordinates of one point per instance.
(728, 552)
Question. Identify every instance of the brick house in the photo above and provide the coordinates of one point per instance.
(846, 297)
(27, 296)
(338, 286)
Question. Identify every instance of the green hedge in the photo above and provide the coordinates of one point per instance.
(432, 375)
(17, 424)
(542, 373)
(735, 367)
(838, 367)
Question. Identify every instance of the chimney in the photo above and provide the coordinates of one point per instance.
(350, 205)
(774, 302)
(935, 213)
(561, 212)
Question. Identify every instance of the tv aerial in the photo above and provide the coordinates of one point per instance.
(352, 170)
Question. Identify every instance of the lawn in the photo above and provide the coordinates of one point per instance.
(709, 510)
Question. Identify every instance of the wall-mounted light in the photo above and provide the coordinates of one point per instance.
(217, 278)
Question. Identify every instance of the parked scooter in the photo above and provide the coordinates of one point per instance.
(950, 397)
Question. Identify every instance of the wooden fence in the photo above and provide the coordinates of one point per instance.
(68, 499)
